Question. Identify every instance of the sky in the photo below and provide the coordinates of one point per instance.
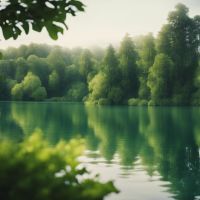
(106, 22)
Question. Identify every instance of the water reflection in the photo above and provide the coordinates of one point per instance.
(166, 141)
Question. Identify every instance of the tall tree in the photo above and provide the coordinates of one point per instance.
(178, 39)
(106, 84)
(128, 66)
(85, 64)
(147, 55)
(110, 66)
(112, 72)
(160, 79)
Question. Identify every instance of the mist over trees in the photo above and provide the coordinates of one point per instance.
(143, 71)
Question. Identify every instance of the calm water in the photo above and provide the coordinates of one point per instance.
(150, 153)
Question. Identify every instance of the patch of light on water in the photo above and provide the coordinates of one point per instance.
(133, 181)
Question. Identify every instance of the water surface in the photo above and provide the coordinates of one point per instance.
(150, 153)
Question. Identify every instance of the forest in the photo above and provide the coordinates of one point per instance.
(142, 70)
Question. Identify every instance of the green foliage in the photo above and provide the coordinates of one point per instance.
(98, 87)
(166, 139)
(128, 66)
(39, 67)
(86, 64)
(105, 87)
(115, 95)
(111, 66)
(17, 92)
(160, 78)
(162, 70)
(133, 102)
(147, 55)
(39, 94)
(137, 102)
(29, 88)
(17, 16)
(103, 101)
(21, 68)
(179, 39)
(52, 170)
(1, 56)
(54, 82)
(77, 92)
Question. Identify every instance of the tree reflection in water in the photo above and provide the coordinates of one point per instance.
(166, 140)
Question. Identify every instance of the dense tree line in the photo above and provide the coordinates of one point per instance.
(143, 70)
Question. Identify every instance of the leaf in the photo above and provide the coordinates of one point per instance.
(37, 26)
(38, 15)
(79, 5)
(16, 32)
(53, 30)
(26, 27)
(7, 31)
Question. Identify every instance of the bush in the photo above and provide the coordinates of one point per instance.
(57, 99)
(133, 102)
(143, 102)
(37, 171)
(115, 95)
(77, 92)
(104, 101)
(196, 99)
(151, 103)
(39, 94)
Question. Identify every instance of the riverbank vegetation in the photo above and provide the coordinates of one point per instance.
(142, 71)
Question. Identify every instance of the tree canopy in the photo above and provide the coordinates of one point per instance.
(162, 70)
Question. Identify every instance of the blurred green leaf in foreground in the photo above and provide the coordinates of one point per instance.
(22, 15)
(35, 170)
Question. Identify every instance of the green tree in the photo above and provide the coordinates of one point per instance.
(179, 40)
(160, 79)
(31, 82)
(85, 64)
(17, 92)
(3, 88)
(21, 68)
(128, 66)
(39, 94)
(105, 86)
(98, 87)
(147, 55)
(54, 83)
(29, 89)
(77, 92)
(39, 67)
(110, 66)
(59, 59)
(112, 71)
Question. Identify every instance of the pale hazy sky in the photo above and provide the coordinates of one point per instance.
(107, 21)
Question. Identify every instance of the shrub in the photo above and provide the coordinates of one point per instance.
(133, 102)
(35, 170)
(143, 102)
(104, 101)
(151, 103)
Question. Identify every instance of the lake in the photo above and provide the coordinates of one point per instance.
(150, 153)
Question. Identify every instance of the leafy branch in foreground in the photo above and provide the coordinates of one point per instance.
(35, 170)
(19, 15)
